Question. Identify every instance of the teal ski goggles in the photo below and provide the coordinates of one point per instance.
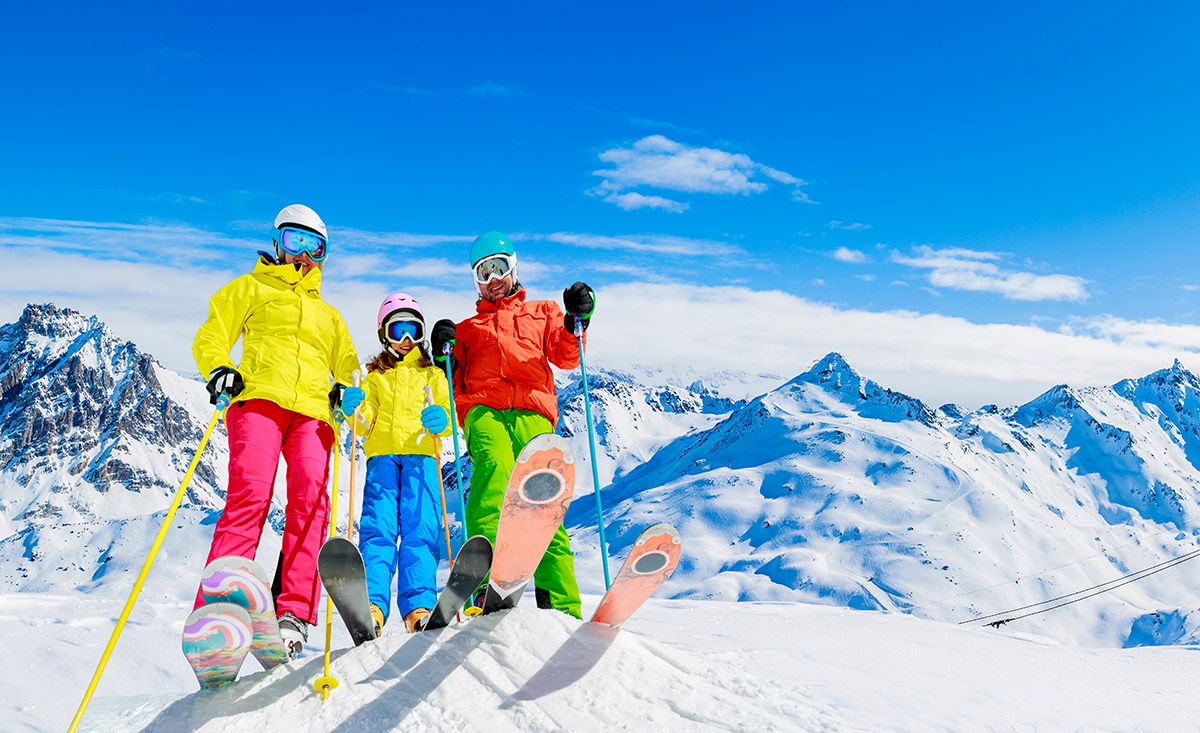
(299, 241)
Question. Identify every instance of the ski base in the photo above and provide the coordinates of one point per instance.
(535, 502)
(470, 569)
(344, 576)
(216, 640)
(653, 558)
(241, 581)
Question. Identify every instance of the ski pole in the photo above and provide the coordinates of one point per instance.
(587, 407)
(437, 446)
(353, 446)
(222, 404)
(327, 682)
(448, 351)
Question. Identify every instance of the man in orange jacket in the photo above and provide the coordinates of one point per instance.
(504, 392)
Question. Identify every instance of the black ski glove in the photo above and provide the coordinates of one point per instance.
(580, 302)
(224, 379)
(442, 334)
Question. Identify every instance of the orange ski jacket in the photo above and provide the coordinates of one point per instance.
(504, 353)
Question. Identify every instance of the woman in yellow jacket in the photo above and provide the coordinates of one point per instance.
(295, 346)
(400, 497)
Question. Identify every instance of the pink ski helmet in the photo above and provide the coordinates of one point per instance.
(400, 306)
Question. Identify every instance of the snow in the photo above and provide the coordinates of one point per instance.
(677, 665)
(801, 498)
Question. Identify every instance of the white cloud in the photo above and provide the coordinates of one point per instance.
(633, 200)
(932, 357)
(853, 256)
(431, 268)
(159, 303)
(658, 162)
(964, 269)
(855, 227)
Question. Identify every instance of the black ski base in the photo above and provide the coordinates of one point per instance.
(471, 567)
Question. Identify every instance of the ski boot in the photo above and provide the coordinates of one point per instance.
(294, 633)
(415, 620)
(377, 617)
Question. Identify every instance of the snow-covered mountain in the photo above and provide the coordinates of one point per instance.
(95, 437)
(832, 489)
(827, 488)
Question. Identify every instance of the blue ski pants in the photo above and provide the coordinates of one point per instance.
(400, 503)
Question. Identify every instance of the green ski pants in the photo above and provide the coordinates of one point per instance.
(494, 440)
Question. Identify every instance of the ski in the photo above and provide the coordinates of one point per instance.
(653, 558)
(241, 581)
(216, 640)
(535, 502)
(470, 569)
(344, 576)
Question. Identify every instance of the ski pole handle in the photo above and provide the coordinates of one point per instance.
(428, 402)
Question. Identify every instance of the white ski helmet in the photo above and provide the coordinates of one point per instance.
(302, 216)
(299, 215)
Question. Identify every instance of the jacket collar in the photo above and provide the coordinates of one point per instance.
(412, 356)
(290, 274)
(486, 306)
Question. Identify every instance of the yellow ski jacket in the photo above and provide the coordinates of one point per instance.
(295, 346)
(392, 407)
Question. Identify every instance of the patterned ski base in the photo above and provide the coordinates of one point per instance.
(344, 576)
(471, 567)
(539, 492)
(652, 560)
(241, 581)
(216, 640)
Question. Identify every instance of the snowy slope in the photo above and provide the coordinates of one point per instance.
(677, 666)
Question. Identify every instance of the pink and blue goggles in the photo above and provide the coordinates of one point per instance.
(296, 241)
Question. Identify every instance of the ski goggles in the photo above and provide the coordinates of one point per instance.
(490, 268)
(298, 241)
(403, 327)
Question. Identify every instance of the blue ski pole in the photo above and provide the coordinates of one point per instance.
(448, 351)
(587, 406)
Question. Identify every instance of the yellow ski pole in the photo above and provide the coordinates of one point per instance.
(353, 445)
(327, 682)
(437, 446)
(222, 404)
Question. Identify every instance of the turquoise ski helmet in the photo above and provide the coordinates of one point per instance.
(491, 243)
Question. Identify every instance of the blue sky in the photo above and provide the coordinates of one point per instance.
(971, 203)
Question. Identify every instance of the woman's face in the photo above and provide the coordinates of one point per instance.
(402, 348)
(305, 262)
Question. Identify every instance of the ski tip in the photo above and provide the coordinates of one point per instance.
(658, 530)
(220, 608)
(546, 441)
(226, 563)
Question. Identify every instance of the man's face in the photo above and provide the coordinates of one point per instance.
(497, 288)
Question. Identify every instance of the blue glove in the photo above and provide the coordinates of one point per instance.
(434, 419)
(348, 399)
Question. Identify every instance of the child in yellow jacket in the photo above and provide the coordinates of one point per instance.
(400, 498)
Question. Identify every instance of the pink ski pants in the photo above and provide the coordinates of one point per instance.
(259, 432)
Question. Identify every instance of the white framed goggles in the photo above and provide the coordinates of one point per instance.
(403, 326)
(493, 267)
